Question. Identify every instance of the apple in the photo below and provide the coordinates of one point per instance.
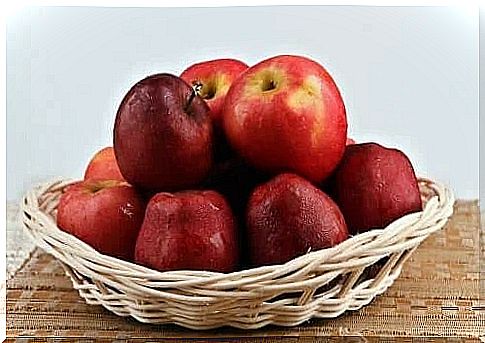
(189, 230)
(163, 135)
(106, 214)
(103, 165)
(375, 185)
(216, 77)
(287, 217)
(286, 114)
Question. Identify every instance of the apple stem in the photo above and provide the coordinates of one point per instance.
(195, 91)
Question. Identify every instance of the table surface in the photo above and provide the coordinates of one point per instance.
(437, 295)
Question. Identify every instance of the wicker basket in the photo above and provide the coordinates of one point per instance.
(320, 284)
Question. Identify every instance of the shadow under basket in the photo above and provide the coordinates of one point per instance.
(320, 284)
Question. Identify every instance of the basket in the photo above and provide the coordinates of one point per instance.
(319, 284)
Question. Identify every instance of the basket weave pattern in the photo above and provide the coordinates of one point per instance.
(319, 284)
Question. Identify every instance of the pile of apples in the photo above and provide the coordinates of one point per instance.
(229, 167)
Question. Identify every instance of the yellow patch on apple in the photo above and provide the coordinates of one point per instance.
(219, 83)
(309, 95)
(266, 81)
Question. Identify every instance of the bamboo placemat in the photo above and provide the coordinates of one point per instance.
(437, 295)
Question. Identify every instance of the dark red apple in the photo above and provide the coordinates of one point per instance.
(103, 165)
(288, 217)
(163, 134)
(106, 214)
(286, 114)
(216, 77)
(190, 230)
(375, 185)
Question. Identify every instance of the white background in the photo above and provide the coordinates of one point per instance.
(409, 76)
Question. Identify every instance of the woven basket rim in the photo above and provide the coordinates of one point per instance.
(211, 275)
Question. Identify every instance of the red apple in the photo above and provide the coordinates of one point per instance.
(374, 185)
(216, 77)
(163, 135)
(103, 165)
(188, 230)
(288, 217)
(106, 214)
(286, 114)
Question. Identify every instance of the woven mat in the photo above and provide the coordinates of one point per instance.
(437, 295)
